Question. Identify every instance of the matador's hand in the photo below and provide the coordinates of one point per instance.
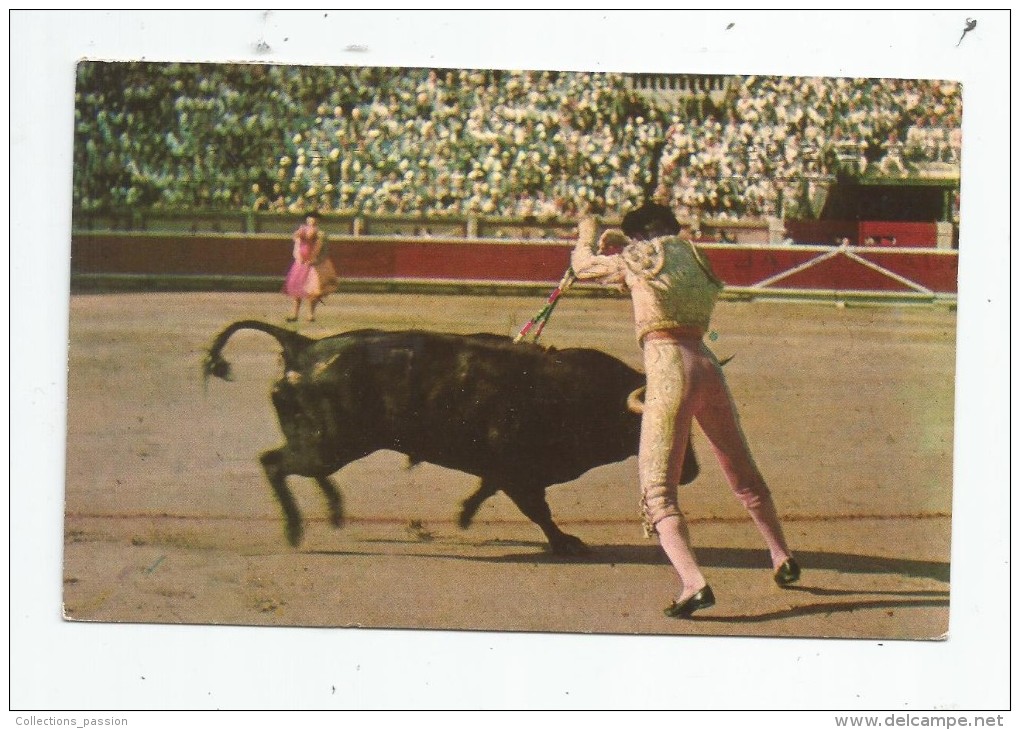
(587, 227)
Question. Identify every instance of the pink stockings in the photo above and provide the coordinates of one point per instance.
(685, 382)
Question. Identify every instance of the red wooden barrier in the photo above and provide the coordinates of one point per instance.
(843, 269)
(763, 268)
(906, 234)
(825, 232)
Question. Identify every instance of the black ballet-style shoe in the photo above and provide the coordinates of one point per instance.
(787, 573)
(683, 609)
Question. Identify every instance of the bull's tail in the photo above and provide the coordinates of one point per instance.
(293, 345)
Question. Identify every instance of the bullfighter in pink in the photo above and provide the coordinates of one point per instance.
(674, 292)
(312, 275)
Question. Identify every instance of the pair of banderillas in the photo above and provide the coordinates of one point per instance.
(538, 322)
(543, 315)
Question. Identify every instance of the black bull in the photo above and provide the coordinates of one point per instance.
(519, 416)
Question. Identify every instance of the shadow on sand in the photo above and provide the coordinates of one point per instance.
(709, 557)
(844, 601)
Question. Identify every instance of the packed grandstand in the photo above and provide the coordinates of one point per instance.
(438, 142)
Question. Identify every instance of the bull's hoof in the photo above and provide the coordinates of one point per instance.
(336, 519)
(294, 533)
(464, 520)
(570, 546)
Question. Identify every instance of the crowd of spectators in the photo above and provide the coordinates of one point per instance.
(493, 143)
(777, 139)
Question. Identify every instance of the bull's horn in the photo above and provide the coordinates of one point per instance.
(636, 400)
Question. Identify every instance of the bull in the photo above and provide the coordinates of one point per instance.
(521, 417)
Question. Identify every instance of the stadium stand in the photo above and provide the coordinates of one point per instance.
(525, 144)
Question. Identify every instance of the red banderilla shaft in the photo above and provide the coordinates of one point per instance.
(543, 316)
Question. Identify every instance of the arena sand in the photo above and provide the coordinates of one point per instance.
(169, 519)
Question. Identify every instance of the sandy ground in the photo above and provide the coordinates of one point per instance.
(169, 518)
